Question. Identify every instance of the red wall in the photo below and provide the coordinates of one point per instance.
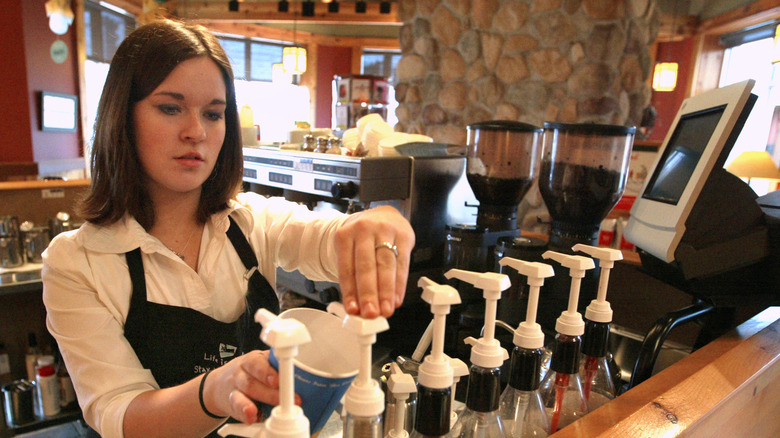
(16, 144)
(667, 103)
(27, 70)
(331, 61)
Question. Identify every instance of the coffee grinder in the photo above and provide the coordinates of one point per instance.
(582, 176)
(501, 165)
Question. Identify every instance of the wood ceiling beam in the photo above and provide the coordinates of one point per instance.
(265, 11)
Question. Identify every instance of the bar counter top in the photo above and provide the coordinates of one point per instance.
(728, 388)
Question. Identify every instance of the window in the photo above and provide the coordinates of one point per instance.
(753, 60)
(383, 63)
(105, 28)
(252, 60)
(380, 63)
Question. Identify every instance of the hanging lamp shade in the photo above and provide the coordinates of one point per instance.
(665, 76)
(294, 59)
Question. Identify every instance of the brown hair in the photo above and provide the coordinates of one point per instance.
(143, 60)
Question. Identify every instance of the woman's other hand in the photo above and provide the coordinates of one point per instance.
(232, 389)
(374, 250)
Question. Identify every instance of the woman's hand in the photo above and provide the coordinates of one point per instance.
(372, 277)
(231, 389)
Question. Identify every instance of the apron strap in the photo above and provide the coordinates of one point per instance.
(260, 294)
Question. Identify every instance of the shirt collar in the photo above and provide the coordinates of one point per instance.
(127, 234)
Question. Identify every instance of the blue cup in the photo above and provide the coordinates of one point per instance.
(324, 367)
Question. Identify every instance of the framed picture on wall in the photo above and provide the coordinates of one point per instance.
(59, 112)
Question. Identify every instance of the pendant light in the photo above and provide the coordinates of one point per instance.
(665, 73)
(294, 57)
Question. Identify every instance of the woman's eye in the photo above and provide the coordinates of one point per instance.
(168, 109)
(214, 115)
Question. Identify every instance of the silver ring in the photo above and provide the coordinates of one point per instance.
(389, 246)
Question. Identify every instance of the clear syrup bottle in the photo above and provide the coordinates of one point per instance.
(561, 388)
(597, 380)
(521, 406)
(480, 418)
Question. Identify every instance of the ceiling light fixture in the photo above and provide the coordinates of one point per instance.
(294, 57)
(360, 7)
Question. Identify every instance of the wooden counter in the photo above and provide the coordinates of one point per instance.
(729, 388)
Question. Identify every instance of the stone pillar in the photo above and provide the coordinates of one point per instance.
(534, 61)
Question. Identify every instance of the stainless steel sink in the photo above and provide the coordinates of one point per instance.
(625, 345)
(15, 277)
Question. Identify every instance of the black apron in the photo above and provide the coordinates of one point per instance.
(178, 343)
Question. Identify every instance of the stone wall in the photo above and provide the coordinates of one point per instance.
(466, 61)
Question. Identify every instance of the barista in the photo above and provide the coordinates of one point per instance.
(151, 301)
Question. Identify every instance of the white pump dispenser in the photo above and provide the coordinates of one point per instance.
(598, 383)
(529, 333)
(561, 389)
(599, 309)
(480, 418)
(435, 374)
(570, 322)
(400, 385)
(287, 420)
(364, 398)
(521, 407)
(486, 351)
(436, 371)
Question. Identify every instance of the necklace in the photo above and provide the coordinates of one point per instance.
(181, 254)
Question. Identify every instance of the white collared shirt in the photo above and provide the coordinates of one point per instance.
(87, 288)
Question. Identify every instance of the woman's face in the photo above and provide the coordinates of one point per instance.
(180, 127)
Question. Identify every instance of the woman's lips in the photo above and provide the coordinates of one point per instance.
(190, 160)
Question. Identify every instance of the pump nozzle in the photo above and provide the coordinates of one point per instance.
(529, 334)
(570, 322)
(599, 309)
(364, 398)
(400, 386)
(286, 420)
(487, 351)
(435, 372)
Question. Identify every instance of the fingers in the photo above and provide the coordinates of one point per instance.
(371, 275)
(253, 380)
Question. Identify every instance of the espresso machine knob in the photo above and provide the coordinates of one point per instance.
(344, 189)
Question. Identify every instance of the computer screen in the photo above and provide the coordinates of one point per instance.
(699, 139)
(682, 154)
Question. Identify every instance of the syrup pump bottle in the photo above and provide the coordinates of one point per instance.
(521, 407)
(480, 418)
(597, 382)
(561, 388)
(287, 420)
(400, 385)
(364, 400)
(435, 375)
